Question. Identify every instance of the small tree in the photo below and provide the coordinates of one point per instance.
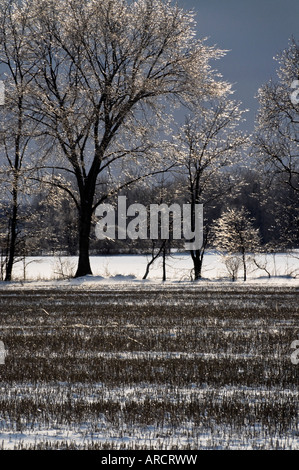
(209, 144)
(232, 264)
(236, 236)
(164, 192)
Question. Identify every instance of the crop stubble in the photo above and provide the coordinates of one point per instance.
(149, 367)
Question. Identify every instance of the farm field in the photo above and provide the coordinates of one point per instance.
(149, 366)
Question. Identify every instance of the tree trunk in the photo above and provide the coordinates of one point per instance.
(164, 263)
(15, 196)
(244, 265)
(154, 257)
(197, 258)
(84, 268)
(12, 233)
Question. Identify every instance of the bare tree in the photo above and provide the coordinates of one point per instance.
(16, 130)
(276, 140)
(105, 74)
(209, 143)
(162, 193)
(235, 237)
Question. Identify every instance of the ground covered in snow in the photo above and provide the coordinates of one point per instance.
(119, 363)
(262, 269)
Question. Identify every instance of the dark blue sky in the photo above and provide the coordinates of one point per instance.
(253, 31)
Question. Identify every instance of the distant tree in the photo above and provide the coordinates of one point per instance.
(52, 227)
(236, 237)
(273, 204)
(232, 263)
(282, 204)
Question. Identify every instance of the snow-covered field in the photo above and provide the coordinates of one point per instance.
(113, 362)
(282, 267)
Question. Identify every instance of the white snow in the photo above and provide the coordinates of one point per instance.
(46, 270)
(124, 271)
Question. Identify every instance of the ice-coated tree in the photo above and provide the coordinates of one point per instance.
(276, 140)
(235, 237)
(16, 130)
(208, 145)
(105, 75)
